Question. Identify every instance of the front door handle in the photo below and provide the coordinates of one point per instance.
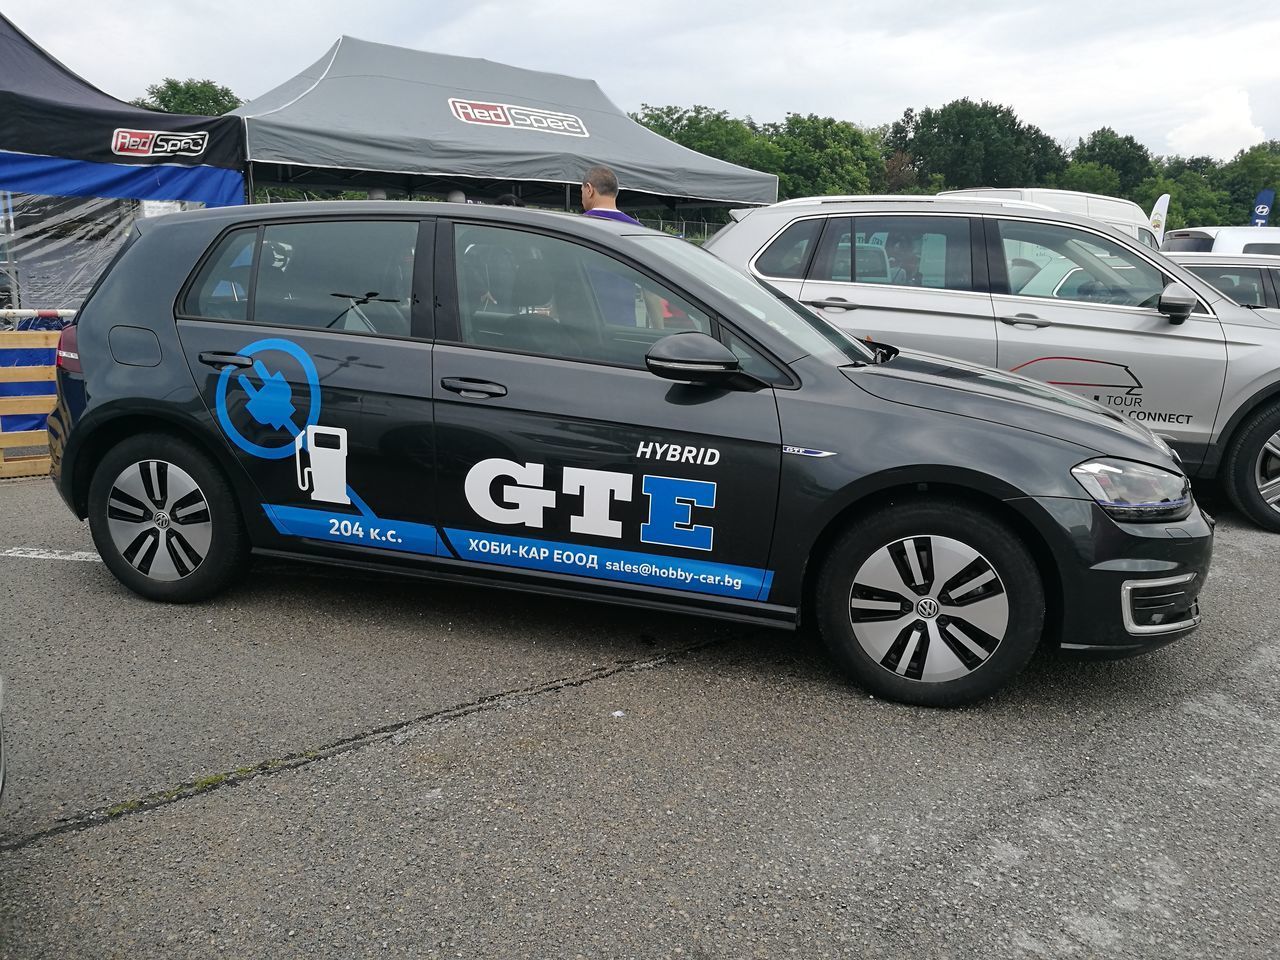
(214, 358)
(831, 303)
(473, 389)
(1027, 320)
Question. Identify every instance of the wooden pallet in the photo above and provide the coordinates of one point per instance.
(36, 465)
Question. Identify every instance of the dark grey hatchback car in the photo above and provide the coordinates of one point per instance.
(590, 409)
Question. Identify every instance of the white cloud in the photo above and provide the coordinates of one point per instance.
(1140, 67)
(1221, 124)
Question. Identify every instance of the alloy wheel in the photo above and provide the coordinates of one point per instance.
(928, 608)
(1267, 472)
(159, 520)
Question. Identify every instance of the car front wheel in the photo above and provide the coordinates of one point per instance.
(1252, 469)
(165, 520)
(931, 603)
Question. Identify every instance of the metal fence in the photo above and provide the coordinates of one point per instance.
(696, 230)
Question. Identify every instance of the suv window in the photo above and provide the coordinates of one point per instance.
(1063, 263)
(1241, 284)
(530, 293)
(788, 255)
(351, 275)
(931, 252)
(1271, 248)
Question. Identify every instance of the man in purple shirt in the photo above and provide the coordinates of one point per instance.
(600, 196)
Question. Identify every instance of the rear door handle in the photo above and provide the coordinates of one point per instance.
(832, 303)
(1026, 319)
(473, 389)
(214, 358)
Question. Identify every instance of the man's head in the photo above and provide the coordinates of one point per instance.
(599, 189)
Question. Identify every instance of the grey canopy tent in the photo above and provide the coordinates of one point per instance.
(368, 115)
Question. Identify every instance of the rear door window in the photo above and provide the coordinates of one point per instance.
(221, 290)
(929, 252)
(355, 276)
(349, 275)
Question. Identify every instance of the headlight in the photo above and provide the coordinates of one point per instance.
(1134, 491)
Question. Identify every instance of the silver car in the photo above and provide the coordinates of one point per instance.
(1251, 280)
(1050, 295)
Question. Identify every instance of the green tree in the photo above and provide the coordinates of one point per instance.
(1126, 156)
(714, 133)
(972, 144)
(1247, 173)
(1090, 177)
(199, 97)
(821, 155)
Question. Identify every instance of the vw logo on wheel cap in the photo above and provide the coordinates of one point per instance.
(927, 608)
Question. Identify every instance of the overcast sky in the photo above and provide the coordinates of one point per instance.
(1186, 78)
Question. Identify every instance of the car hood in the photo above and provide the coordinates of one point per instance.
(972, 390)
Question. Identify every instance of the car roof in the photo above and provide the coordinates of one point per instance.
(217, 218)
(917, 204)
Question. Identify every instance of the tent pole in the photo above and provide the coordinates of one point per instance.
(566, 198)
(248, 181)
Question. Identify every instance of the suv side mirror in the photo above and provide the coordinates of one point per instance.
(1176, 302)
(693, 358)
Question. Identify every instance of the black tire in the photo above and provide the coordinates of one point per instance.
(1249, 462)
(151, 540)
(940, 641)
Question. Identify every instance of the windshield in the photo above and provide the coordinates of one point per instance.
(810, 334)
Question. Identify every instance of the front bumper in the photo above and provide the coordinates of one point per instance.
(1127, 587)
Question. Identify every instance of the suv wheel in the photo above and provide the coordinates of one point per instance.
(934, 603)
(165, 520)
(1252, 468)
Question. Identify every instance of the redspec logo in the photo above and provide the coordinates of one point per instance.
(522, 118)
(158, 143)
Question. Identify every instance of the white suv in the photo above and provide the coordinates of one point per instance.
(1054, 296)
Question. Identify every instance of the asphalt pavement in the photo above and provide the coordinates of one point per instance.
(321, 764)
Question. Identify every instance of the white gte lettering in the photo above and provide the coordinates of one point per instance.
(598, 489)
(671, 500)
(529, 499)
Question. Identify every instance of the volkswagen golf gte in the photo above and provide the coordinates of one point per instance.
(595, 410)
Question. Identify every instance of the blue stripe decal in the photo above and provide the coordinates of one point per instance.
(677, 573)
(365, 530)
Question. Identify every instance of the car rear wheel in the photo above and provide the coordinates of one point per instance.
(165, 520)
(931, 603)
(1252, 469)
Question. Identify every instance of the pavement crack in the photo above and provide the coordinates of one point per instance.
(216, 781)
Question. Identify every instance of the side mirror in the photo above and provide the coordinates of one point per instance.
(693, 358)
(1176, 302)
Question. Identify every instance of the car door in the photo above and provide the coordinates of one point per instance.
(310, 344)
(906, 280)
(560, 453)
(1081, 314)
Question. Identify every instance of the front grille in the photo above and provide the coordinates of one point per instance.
(1161, 606)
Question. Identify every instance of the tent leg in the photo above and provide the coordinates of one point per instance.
(248, 182)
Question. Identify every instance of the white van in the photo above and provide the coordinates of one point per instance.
(1258, 240)
(1125, 215)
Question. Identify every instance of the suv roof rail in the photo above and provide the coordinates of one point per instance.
(911, 198)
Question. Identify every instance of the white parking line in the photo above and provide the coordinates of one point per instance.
(39, 553)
